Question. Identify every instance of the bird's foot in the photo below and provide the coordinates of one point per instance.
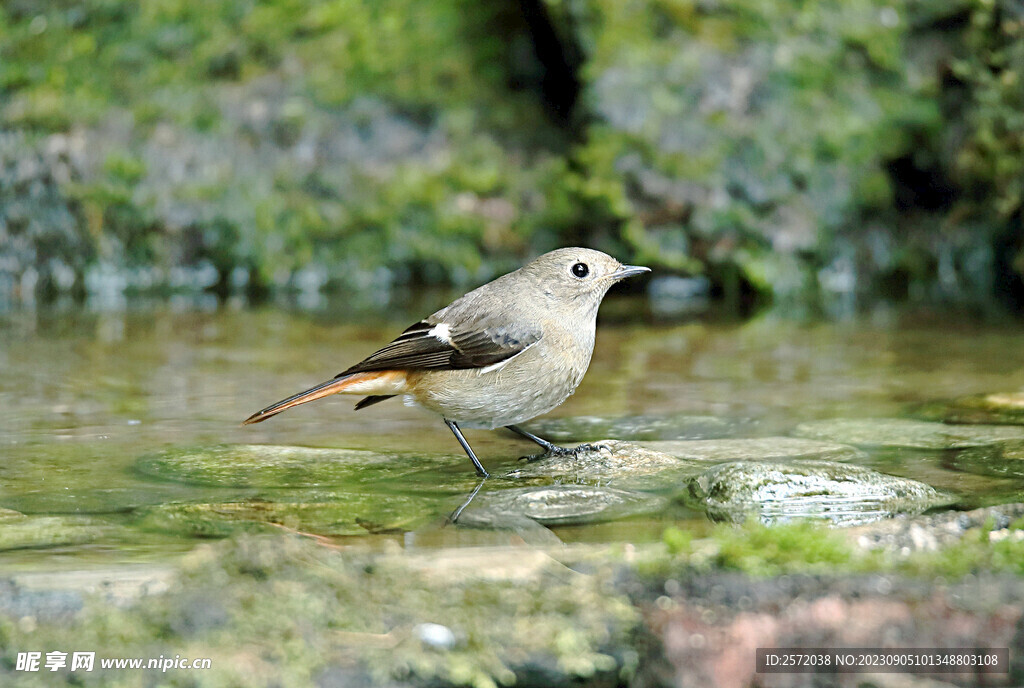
(555, 450)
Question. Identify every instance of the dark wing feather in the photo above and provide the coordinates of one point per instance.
(370, 401)
(481, 348)
(417, 349)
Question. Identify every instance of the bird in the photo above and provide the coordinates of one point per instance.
(508, 351)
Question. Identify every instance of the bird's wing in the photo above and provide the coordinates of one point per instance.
(438, 346)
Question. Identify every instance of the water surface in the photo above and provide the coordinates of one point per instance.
(86, 394)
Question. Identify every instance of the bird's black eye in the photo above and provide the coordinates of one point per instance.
(580, 270)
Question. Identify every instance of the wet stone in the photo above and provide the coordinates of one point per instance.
(757, 449)
(1003, 460)
(603, 459)
(559, 505)
(782, 491)
(355, 514)
(912, 434)
(612, 462)
(642, 427)
(254, 465)
(1002, 408)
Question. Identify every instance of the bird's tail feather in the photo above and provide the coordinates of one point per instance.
(357, 383)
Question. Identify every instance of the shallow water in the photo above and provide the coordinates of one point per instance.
(87, 396)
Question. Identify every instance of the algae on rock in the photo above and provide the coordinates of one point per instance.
(271, 466)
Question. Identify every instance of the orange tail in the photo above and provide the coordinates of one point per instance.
(384, 382)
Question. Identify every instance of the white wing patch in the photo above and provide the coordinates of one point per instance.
(441, 332)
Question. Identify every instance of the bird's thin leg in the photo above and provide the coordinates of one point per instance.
(550, 449)
(547, 446)
(458, 512)
(469, 450)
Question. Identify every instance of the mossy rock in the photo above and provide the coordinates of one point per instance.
(781, 491)
(257, 465)
(113, 500)
(1003, 408)
(642, 427)
(757, 449)
(561, 505)
(911, 434)
(1003, 460)
(515, 615)
(356, 514)
(18, 531)
(9, 515)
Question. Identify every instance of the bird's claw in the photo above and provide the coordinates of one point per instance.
(555, 450)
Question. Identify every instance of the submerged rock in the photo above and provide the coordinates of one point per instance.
(257, 465)
(899, 432)
(757, 449)
(1003, 460)
(670, 465)
(643, 427)
(352, 514)
(1003, 408)
(110, 500)
(18, 531)
(781, 491)
(505, 525)
(558, 505)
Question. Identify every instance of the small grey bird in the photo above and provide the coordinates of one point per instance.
(504, 353)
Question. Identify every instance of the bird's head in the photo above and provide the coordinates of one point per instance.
(575, 273)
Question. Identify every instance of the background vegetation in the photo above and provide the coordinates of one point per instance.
(788, 149)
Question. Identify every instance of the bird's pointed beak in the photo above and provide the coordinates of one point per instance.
(628, 271)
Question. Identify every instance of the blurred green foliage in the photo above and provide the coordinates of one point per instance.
(789, 147)
(442, 174)
(991, 163)
(876, 139)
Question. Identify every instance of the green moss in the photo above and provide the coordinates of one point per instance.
(762, 550)
(808, 547)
